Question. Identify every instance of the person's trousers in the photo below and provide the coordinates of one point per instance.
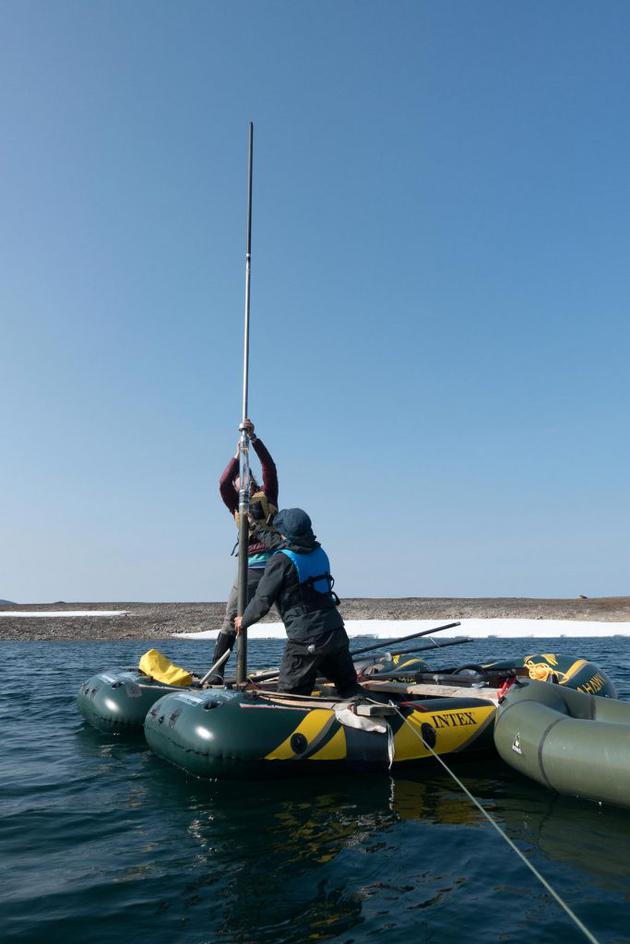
(227, 633)
(299, 669)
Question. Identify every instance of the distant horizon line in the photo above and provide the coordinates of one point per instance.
(154, 602)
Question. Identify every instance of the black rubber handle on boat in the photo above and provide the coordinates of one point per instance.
(394, 642)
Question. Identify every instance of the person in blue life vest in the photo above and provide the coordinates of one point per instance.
(297, 579)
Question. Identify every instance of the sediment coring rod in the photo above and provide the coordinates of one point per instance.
(244, 474)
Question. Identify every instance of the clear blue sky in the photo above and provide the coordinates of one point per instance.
(440, 291)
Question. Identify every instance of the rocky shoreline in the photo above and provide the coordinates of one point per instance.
(154, 621)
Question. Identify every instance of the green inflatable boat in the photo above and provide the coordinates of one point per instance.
(407, 712)
(117, 700)
(233, 734)
(574, 742)
(407, 715)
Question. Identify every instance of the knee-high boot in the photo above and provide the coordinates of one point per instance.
(224, 643)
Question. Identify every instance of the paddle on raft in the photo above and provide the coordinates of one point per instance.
(214, 668)
(395, 642)
(456, 641)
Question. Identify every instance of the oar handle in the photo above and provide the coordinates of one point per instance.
(394, 642)
(214, 668)
(457, 641)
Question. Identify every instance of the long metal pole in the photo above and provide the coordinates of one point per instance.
(244, 474)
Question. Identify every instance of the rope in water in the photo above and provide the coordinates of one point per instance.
(554, 894)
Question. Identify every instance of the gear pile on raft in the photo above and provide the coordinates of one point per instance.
(326, 708)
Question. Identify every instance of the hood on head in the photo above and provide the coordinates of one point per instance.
(295, 524)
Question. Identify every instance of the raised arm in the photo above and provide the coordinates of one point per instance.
(226, 485)
(269, 472)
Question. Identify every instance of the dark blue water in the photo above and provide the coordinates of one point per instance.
(101, 841)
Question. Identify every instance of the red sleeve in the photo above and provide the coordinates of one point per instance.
(226, 486)
(269, 473)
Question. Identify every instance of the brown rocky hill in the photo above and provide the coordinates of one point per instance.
(159, 620)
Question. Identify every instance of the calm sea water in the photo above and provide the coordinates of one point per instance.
(101, 841)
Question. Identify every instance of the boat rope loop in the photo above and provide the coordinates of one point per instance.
(554, 894)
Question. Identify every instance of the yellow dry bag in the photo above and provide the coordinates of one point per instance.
(158, 667)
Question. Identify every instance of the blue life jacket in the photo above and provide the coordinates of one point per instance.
(316, 582)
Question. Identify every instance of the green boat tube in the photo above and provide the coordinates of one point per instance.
(117, 701)
(573, 742)
(233, 734)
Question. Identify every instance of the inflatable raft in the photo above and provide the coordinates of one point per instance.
(574, 742)
(117, 700)
(231, 734)
(407, 715)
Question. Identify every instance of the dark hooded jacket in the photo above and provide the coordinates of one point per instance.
(280, 585)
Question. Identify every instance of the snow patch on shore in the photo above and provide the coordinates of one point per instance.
(59, 614)
(476, 628)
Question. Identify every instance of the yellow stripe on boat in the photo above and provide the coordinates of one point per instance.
(577, 666)
(407, 743)
(335, 749)
(313, 726)
(416, 663)
(453, 729)
(551, 658)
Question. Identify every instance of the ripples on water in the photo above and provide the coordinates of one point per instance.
(101, 841)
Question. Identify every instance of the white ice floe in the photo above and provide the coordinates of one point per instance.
(59, 614)
(476, 628)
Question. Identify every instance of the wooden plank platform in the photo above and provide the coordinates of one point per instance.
(432, 691)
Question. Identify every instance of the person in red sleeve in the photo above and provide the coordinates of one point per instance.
(263, 538)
